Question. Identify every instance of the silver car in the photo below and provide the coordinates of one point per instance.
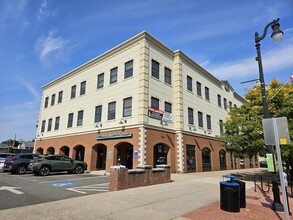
(2, 159)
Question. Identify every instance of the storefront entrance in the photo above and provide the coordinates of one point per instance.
(101, 157)
(125, 155)
(190, 158)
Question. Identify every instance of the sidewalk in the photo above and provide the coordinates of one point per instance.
(188, 196)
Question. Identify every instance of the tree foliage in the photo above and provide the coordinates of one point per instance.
(243, 127)
(11, 142)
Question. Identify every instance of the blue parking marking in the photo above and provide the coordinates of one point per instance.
(59, 185)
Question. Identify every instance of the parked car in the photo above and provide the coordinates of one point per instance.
(263, 164)
(56, 163)
(18, 163)
(3, 157)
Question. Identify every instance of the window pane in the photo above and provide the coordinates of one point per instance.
(127, 107)
(200, 120)
(111, 110)
(73, 91)
(98, 113)
(219, 101)
(50, 124)
(155, 69)
(225, 103)
(155, 103)
(113, 75)
(168, 107)
(207, 93)
(168, 76)
(46, 102)
(43, 126)
(70, 120)
(198, 88)
(100, 83)
(79, 118)
(209, 124)
(128, 69)
(221, 126)
(60, 96)
(189, 83)
(82, 87)
(53, 100)
(190, 116)
(57, 120)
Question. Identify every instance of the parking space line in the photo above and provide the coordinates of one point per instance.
(102, 187)
(50, 181)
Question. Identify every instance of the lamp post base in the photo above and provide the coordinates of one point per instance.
(277, 205)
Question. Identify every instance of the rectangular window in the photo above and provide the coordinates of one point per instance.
(82, 87)
(207, 93)
(155, 69)
(219, 101)
(53, 100)
(43, 126)
(200, 120)
(49, 125)
(73, 92)
(127, 107)
(70, 120)
(79, 118)
(168, 76)
(189, 83)
(113, 75)
(225, 103)
(60, 96)
(221, 126)
(57, 121)
(98, 114)
(46, 102)
(230, 104)
(100, 82)
(155, 103)
(111, 110)
(209, 122)
(168, 107)
(235, 106)
(128, 69)
(190, 116)
(198, 88)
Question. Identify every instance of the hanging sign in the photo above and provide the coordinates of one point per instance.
(156, 113)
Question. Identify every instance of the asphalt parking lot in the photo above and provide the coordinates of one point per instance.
(28, 189)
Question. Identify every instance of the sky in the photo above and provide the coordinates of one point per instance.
(41, 40)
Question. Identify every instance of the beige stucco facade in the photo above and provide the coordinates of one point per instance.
(143, 136)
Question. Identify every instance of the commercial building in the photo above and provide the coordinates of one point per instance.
(138, 103)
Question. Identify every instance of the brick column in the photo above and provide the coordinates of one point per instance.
(118, 178)
(148, 173)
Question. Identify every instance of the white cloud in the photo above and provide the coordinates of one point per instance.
(50, 44)
(32, 90)
(45, 12)
(273, 61)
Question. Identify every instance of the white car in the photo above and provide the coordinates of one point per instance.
(2, 159)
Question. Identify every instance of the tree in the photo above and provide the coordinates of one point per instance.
(243, 127)
(11, 142)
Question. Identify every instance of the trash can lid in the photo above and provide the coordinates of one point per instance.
(229, 176)
(225, 183)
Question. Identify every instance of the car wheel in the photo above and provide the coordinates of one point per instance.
(78, 169)
(44, 171)
(21, 169)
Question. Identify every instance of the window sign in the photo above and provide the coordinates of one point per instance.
(156, 113)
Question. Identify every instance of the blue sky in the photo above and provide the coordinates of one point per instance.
(42, 40)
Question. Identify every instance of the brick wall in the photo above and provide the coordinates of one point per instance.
(143, 175)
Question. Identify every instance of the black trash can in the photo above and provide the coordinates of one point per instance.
(242, 193)
(230, 195)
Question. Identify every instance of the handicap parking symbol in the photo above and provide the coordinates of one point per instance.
(59, 185)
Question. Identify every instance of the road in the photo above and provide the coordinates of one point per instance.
(28, 189)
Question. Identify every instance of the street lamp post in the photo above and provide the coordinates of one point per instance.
(277, 37)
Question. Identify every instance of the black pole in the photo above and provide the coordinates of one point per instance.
(277, 205)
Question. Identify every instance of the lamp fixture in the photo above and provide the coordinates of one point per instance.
(192, 128)
(98, 125)
(122, 121)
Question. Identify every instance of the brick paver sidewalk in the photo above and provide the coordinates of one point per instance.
(258, 206)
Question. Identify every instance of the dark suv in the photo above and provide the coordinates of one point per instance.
(18, 163)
